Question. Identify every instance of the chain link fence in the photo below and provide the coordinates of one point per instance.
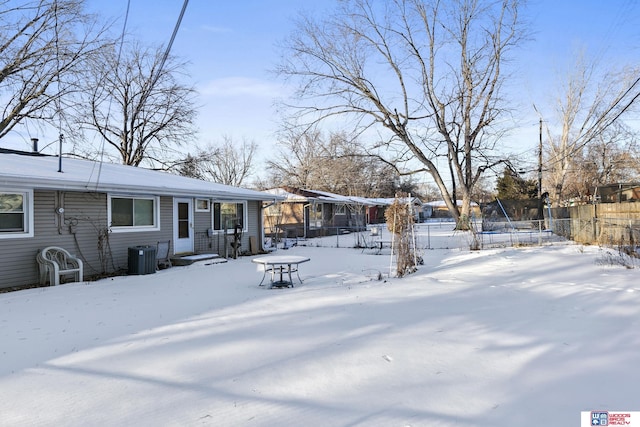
(582, 225)
(432, 235)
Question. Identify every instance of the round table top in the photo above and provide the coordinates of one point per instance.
(280, 259)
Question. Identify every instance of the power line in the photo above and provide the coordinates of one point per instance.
(173, 37)
(159, 70)
(58, 96)
(124, 29)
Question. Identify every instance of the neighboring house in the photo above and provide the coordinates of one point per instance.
(427, 212)
(617, 193)
(98, 210)
(311, 213)
(440, 210)
(377, 207)
(375, 211)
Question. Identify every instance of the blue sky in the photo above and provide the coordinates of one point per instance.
(231, 48)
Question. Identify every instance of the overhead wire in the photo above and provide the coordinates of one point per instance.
(154, 79)
(171, 40)
(102, 145)
(165, 56)
(608, 117)
(57, 99)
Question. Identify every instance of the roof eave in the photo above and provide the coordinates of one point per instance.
(62, 185)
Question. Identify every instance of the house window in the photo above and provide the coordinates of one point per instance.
(226, 215)
(137, 213)
(315, 215)
(341, 210)
(16, 214)
(203, 205)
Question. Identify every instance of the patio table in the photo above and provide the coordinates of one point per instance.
(281, 265)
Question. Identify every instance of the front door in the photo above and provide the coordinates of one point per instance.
(182, 226)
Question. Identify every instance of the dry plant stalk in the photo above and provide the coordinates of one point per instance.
(400, 222)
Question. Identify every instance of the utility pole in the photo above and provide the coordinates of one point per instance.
(540, 206)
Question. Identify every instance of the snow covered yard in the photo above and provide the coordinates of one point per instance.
(501, 337)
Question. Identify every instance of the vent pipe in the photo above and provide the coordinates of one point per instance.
(60, 154)
(34, 143)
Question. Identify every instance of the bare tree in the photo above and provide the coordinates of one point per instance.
(428, 72)
(137, 105)
(587, 111)
(611, 157)
(190, 166)
(615, 156)
(335, 162)
(294, 163)
(227, 162)
(44, 46)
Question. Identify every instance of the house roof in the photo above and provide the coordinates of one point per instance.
(442, 204)
(331, 197)
(292, 194)
(41, 172)
(286, 195)
(385, 201)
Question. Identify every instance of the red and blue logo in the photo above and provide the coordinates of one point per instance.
(599, 418)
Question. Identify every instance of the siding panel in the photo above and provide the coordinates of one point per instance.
(83, 230)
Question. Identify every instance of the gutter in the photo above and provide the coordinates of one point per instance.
(38, 183)
(262, 237)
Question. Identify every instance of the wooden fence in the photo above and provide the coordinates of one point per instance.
(611, 224)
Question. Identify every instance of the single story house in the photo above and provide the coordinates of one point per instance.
(98, 210)
(440, 210)
(312, 213)
(377, 207)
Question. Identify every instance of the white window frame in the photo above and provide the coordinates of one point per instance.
(316, 215)
(206, 209)
(341, 209)
(133, 228)
(27, 221)
(230, 230)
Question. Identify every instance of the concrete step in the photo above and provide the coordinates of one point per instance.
(191, 258)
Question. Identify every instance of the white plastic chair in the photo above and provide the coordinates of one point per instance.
(55, 263)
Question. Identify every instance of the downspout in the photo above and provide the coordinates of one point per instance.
(262, 209)
(305, 219)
